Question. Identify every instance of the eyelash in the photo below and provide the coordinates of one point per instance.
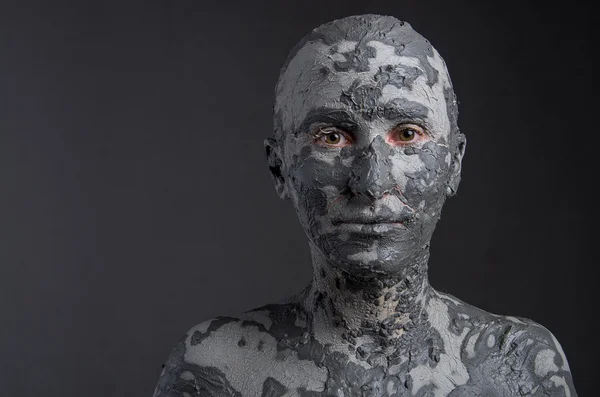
(420, 131)
(391, 136)
(324, 131)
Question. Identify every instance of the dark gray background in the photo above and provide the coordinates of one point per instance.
(135, 199)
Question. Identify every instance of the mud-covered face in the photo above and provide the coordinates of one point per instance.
(367, 152)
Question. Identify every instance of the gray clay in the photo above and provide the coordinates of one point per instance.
(366, 146)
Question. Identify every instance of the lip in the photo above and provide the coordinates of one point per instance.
(372, 224)
(370, 221)
(371, 228)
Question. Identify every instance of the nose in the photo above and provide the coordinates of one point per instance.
(371, 174)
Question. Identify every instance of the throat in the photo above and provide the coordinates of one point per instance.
(383, 309)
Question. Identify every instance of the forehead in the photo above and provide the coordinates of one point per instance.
(363, 76)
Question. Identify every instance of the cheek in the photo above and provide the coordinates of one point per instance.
(422, 174)
(316, 180)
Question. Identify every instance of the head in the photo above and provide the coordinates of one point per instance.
(366, 143)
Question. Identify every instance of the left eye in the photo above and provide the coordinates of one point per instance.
(406, 133)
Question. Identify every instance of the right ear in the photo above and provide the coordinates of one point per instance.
(275, 162)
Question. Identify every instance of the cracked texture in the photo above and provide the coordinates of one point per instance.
(369, 323)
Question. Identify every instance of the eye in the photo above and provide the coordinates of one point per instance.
(406, 133)
(331, 136)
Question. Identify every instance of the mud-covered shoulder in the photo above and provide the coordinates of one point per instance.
(534, 351)
(508, 355)
(188, 371)
(245, 355)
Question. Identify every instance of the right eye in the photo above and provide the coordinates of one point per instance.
(332, 137)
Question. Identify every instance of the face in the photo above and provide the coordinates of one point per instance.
(367, 150)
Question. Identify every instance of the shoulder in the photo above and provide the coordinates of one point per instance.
(187, 371)
(229, 355)
(510, 353)
(535, 351)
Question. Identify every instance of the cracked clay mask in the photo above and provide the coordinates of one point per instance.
(365, 126)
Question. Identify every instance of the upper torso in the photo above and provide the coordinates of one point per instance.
(273, 351)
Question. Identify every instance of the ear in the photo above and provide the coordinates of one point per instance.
(275, 162)
(459, 145)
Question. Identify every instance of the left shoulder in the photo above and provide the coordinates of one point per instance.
(508, 354)
(533, 349)
(542, 337)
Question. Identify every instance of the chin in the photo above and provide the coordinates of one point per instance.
(372, 257)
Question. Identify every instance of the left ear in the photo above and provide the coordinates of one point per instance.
(459, 143)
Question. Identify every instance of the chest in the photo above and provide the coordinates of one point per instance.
(314, 370)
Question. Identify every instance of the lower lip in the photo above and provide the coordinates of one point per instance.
(372, 228)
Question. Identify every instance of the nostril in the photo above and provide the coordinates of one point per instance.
(376, 194)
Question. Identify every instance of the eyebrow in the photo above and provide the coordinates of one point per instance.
(323, 114)
(401, 109)
(398, 109)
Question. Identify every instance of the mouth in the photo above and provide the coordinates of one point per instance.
(370, 221)
(379, 228)
(371, 226)
(358, 222)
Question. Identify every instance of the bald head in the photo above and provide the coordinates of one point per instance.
(366, 143)
(369, 64)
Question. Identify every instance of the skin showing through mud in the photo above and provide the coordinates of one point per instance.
(367, 148)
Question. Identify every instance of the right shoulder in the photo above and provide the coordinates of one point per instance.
(225, 356)
(190, 370)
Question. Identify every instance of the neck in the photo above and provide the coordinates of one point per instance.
(383, 306)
